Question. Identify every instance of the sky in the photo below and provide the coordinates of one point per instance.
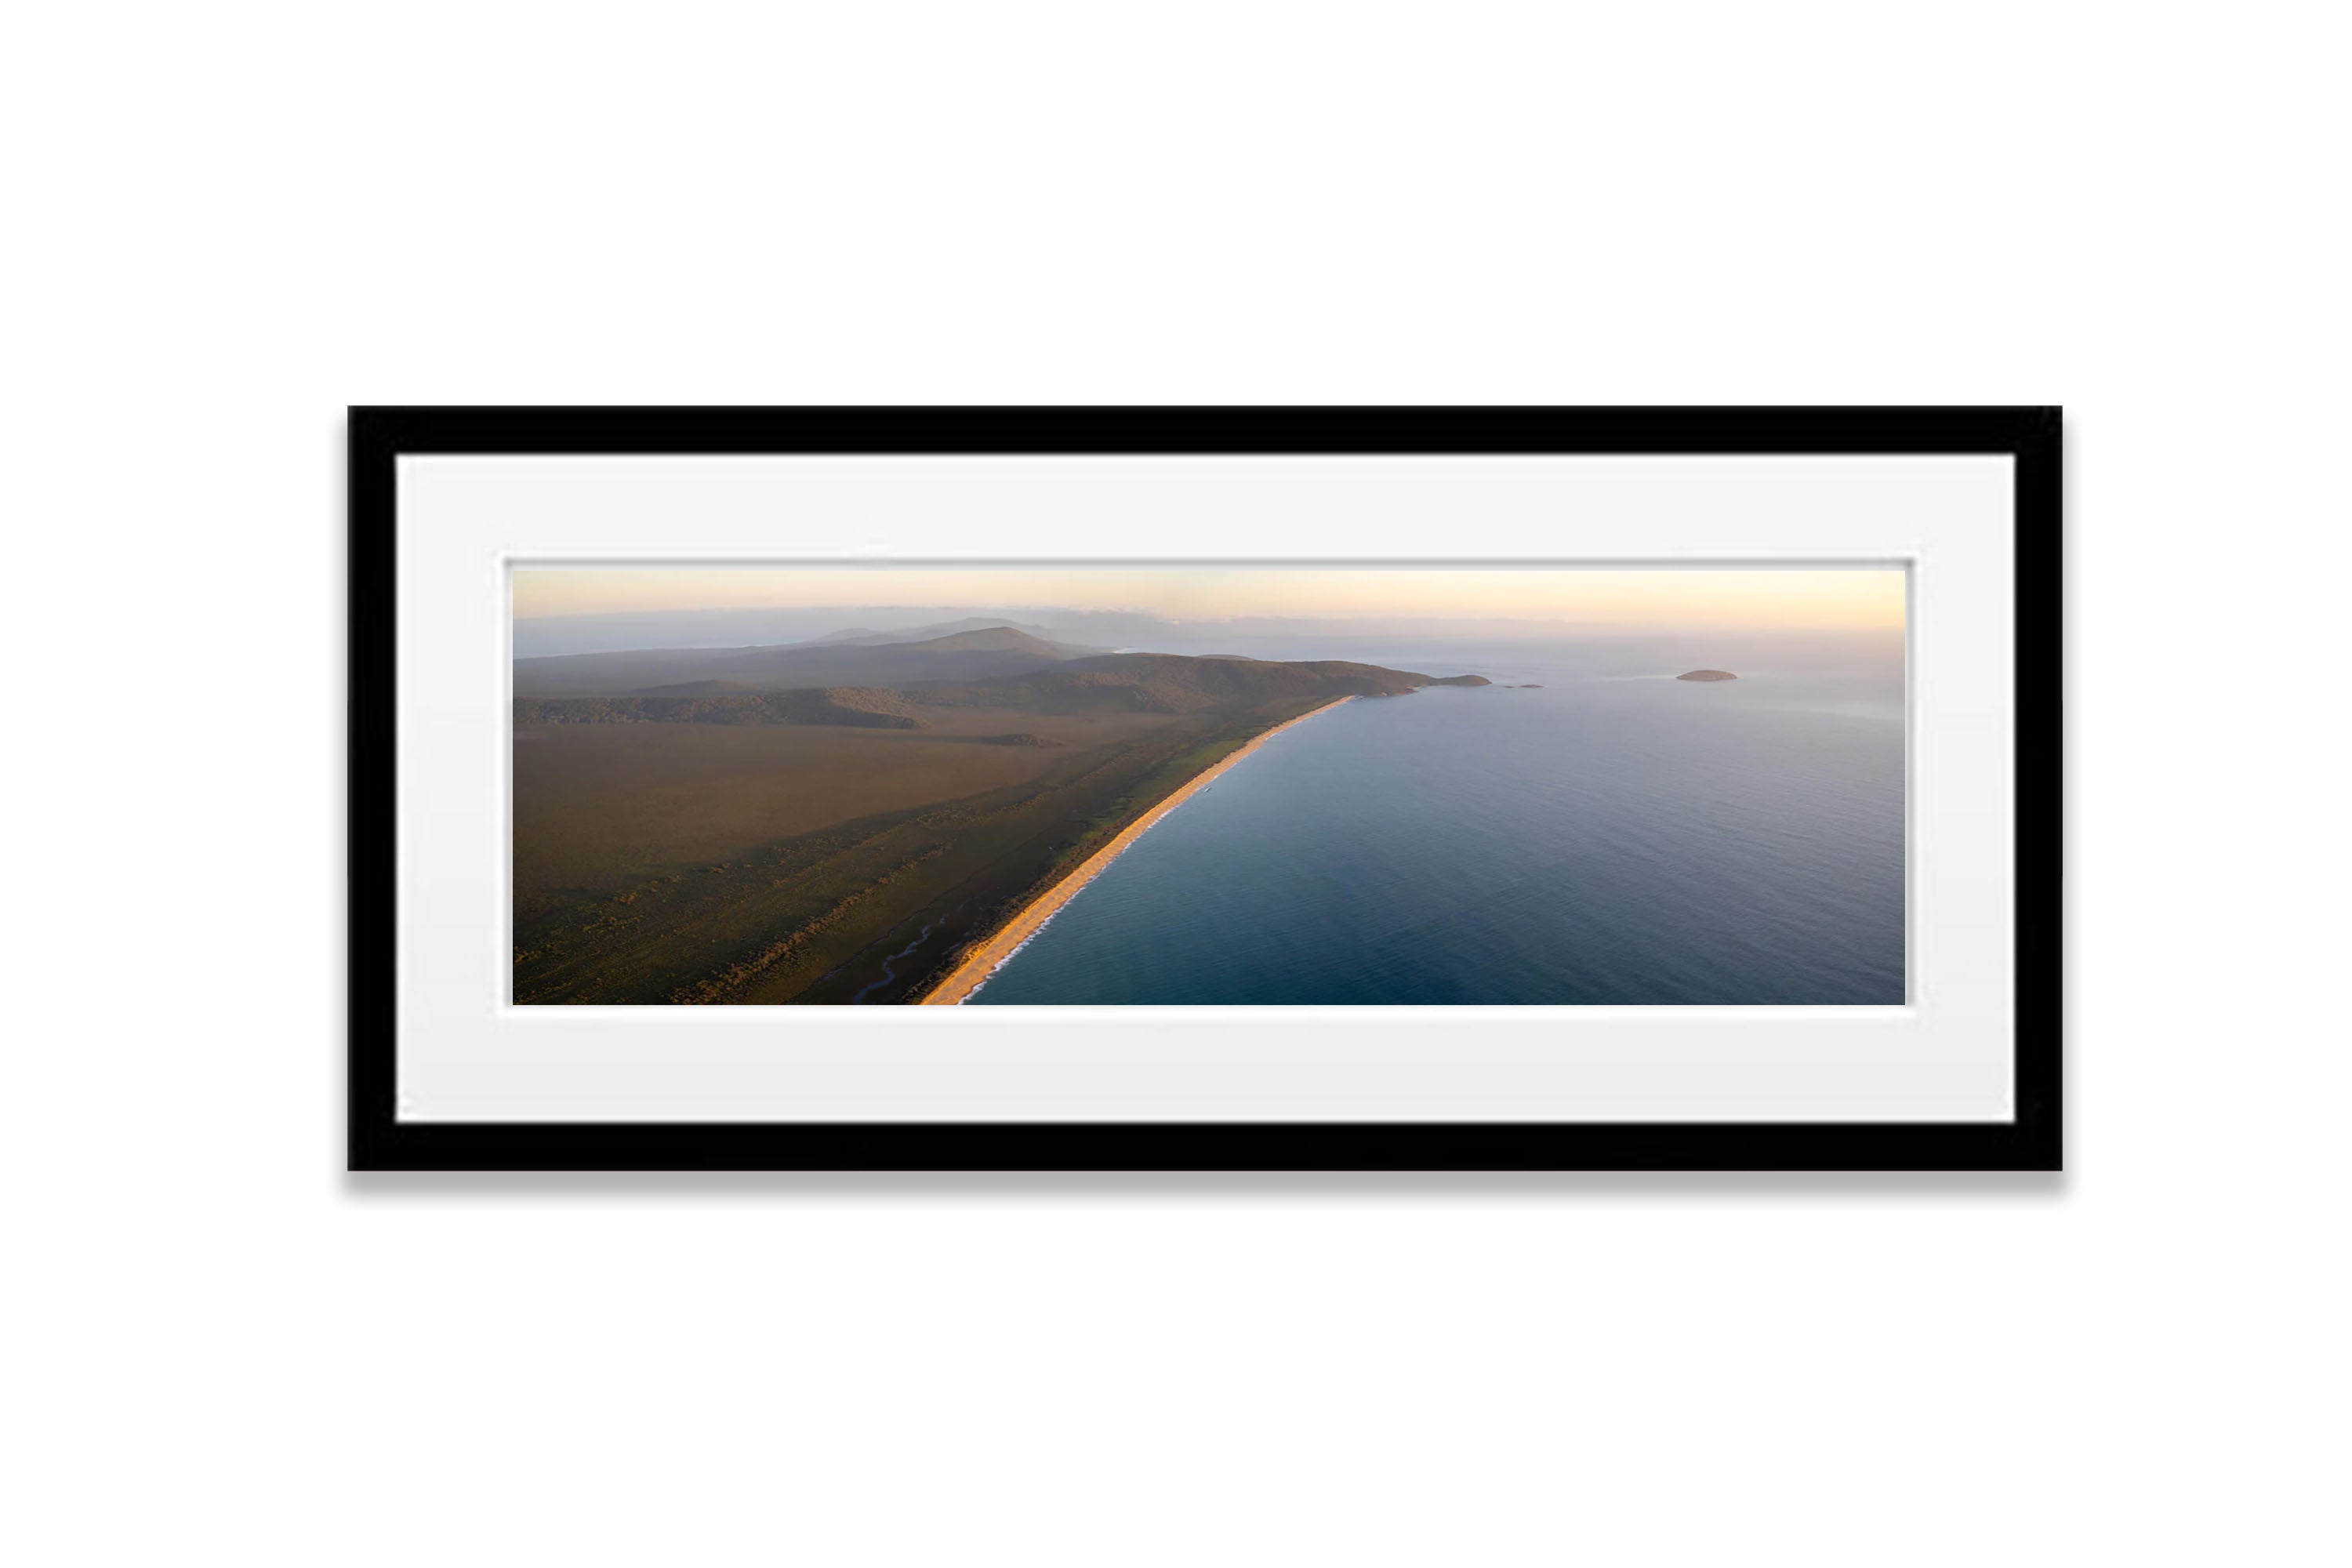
(1816, 599)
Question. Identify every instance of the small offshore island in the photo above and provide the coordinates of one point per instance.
(876, 820)
(1706, 675)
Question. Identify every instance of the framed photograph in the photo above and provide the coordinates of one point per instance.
(1067, 789)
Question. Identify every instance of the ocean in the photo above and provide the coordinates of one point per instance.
(1617, 836)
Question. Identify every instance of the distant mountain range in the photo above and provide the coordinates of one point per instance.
(1261, 636)
(990, 665)
(860, 636)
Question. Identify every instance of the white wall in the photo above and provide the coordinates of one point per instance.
(228, 221)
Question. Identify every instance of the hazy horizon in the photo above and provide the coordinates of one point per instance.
(597, 609)
(1817, 597)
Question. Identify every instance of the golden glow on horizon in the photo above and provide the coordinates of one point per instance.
(1824, 599)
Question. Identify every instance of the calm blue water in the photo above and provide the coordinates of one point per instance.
(1616, 838)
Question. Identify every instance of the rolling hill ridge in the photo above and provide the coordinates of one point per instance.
(982, 653)
(1107, 683)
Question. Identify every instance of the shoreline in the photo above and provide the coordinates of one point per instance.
(1014, 934)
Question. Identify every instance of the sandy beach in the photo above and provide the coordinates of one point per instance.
(984, 960)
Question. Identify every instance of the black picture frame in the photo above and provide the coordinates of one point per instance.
(379, 1141)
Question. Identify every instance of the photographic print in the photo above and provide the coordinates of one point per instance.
(1176, 789)
(1174, 785)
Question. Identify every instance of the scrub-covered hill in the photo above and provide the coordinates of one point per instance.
(1114, 683)
(1173, 683)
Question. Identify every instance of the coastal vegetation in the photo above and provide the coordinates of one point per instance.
(711, 839)
(715, 703)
